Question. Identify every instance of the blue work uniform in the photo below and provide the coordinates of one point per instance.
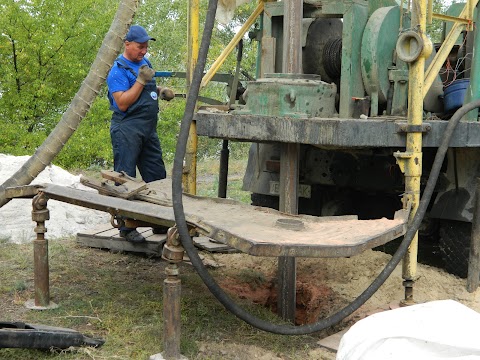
(134, 132)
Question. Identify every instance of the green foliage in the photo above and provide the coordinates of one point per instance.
(168, 126)
(435, 29)
(16, 140)
(167, 22)
(90, 145)
(46, 51)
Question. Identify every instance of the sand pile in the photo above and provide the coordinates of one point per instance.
(65, 219)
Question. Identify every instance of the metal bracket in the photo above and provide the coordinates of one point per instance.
(22, 192)
(403, 127)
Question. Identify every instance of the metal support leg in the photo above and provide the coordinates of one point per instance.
(171, 313)
(40, 214)
(223, 173)
(408, 300)
(172, 285)
(473, 278)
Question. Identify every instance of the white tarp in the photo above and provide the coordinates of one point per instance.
(443, 329)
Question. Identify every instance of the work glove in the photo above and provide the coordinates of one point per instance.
(166, 93)
(145, 74)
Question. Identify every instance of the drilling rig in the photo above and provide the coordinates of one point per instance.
(352, 127)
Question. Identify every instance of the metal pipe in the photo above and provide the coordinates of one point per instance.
(189, 179)
(429, 11)
(193, 25)
(413, 158)
(224, 154)
(229, 48)
(470, 12)
(40, 214)
(258, 61)
(171, 313)
(223, 172)
(41, 271)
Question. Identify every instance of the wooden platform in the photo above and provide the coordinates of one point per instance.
(253, 230)
(107, 237)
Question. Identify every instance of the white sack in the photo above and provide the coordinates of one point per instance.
(443, 329)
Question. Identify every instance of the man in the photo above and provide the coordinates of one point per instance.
(133, 96)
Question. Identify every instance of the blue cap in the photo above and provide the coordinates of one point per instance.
(138, 34)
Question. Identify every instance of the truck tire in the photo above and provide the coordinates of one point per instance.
(455, 246)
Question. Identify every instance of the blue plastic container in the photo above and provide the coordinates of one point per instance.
(454, 94)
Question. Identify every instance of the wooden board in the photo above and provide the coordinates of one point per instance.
(107, 237)
(333, 341)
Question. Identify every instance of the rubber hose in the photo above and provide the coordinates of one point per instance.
(187, 241)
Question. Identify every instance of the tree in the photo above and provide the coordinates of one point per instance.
(80, 104)
(46, 52)
(46, 49)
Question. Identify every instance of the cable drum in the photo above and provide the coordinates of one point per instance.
(332, 58)
(321, 32)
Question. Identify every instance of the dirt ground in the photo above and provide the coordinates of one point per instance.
(325, 286)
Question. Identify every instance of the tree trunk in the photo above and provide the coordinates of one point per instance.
(80, 104)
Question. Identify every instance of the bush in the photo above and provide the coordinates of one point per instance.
(16, 140)
(90, 145)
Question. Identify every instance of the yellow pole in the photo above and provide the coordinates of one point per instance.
(411, 160)
(189, 178)
(229, 48)
(429, 11)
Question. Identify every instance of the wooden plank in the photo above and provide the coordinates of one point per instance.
(103, 235)
(333, 341)
(96, 230)
(128, 189)
(113, 232)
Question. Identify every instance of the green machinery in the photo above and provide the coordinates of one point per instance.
(349, 111)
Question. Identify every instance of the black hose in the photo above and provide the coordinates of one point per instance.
(191, 250)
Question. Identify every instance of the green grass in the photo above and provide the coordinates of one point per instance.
(118, 297)
(208, 179)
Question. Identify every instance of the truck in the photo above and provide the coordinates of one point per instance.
(348, 113)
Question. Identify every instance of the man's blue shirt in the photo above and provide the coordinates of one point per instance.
(120, 78)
